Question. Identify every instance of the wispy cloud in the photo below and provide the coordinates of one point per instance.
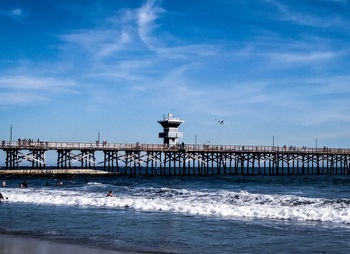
(112, 47)
(21, 98)
(331, 85)
(146, 16)
(303, 18)
(130, 30)
(276, 52)
(99, 42)
(337, 1)
(127, 48)
(16, 14)
(34, 83)
(126, 30)
(303, 57)
(29, 89)
(127, 70)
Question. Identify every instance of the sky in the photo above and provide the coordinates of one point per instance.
(71, 69)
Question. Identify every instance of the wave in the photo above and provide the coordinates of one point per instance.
(225, 204)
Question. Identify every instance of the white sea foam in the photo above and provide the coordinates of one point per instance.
(225, 204)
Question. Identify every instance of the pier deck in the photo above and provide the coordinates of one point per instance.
(155, 159)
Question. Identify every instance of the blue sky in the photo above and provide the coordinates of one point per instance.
(69, 69)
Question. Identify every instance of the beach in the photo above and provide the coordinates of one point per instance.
(13, 244)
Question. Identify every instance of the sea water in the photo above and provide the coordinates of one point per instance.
(185, 214)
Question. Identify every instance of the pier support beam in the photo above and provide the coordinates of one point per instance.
(111, 161)
(65, 158)
(14, 157)
(12, 161)
(36, 157)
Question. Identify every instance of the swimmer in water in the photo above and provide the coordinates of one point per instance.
(110, 194)
(2, 197)
(59, 183)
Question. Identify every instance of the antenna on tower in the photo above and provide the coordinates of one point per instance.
(11, 133)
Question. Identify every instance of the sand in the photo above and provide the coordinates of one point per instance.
(12, 244)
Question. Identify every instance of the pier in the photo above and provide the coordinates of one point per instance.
(178, 159)
(174, 159)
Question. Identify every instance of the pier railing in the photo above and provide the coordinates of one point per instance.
(33, 145)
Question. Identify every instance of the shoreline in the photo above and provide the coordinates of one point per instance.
(55, 172)
(14, 244)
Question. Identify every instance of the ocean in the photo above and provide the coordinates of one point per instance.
(225, 214)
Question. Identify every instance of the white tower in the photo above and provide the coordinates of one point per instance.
(170, 133)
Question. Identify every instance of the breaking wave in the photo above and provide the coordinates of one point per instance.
(225, 204)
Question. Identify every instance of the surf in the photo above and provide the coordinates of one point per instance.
(220, 203)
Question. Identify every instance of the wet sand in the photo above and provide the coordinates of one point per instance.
(11, 244)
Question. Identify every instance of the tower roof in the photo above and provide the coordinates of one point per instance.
(170, 121)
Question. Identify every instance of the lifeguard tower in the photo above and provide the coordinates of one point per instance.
(170, 133)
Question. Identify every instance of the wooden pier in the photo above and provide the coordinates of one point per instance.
(179, 160)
